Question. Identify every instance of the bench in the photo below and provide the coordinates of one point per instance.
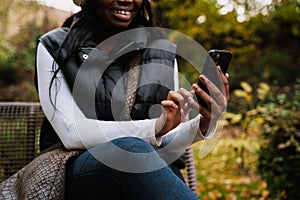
(20, 124)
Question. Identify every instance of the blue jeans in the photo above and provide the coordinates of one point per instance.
(88, 178)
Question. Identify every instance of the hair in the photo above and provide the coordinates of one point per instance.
(85, 22)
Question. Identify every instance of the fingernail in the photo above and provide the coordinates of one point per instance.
(195, 87)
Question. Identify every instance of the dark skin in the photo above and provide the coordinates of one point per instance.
(184, 101)
(116, 16)
(218, 100)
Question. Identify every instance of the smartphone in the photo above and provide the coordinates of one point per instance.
(216, 57)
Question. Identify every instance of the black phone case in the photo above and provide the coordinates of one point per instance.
(216, 57)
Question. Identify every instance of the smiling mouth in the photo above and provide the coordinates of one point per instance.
(124, 15)
(122, 12)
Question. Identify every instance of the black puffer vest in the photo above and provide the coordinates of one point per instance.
(93, 75)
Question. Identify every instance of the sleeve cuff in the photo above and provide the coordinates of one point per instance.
(209, 134)
(155, 141)
(199, 135)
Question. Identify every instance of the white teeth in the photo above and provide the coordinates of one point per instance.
(122, 12)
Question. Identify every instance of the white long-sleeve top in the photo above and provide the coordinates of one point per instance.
(78, 132)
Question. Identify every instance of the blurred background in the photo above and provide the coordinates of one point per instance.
(258, 153)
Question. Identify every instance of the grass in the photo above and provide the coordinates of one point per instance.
(229, 170)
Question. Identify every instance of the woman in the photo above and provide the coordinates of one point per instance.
(84, 112)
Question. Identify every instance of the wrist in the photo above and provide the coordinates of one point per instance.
(159, 127)
(206, 128)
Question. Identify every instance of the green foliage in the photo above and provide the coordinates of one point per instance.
(279, 160)
(274, 113)
(17, 55)
(248, 103)
(17, 60)
(280, 36)
(19, 32)
(7, 57)
(265, 47)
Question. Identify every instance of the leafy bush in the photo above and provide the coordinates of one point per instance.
(279, 157)
(17, 60)
(274, 113)
(7, 57)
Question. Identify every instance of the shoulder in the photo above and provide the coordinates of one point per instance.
(56, 35)
(158, 38)
(163, 44)
(52, 40)
(158, 44)
(160, 49)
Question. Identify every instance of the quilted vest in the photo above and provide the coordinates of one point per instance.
(98, 79)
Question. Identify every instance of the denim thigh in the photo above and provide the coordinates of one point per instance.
(90, 176)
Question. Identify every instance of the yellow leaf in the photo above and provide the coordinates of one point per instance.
(261, 109)
(243, 94)
(261, 94)
(234, 118)
(246, 86)
(251, 112)
(264, 86)
(259, 120)
(262, 91)
(229, 115)
(240, 93)
(265, 193)
(237, 118)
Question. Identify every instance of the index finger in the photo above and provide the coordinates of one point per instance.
(185, 93)
(176, 97)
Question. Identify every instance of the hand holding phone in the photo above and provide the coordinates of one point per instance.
(216, 57)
